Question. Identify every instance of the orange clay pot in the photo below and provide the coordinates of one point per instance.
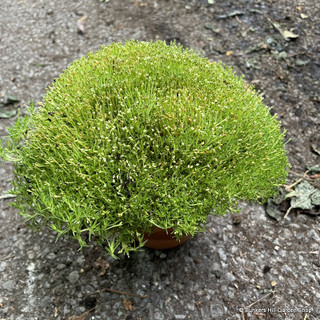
(163, 239)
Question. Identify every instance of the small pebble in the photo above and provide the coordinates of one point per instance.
(73, 276)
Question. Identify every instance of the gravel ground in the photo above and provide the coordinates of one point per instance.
(247, 266)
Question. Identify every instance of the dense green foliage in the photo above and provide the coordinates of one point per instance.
(141, 135)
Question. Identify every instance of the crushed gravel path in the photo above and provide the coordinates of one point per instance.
(247, 266)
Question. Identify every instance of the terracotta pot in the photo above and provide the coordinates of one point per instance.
(163, 239)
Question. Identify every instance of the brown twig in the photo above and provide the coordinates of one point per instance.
(125, 293)
(252, 304)
(82, 316)
(304, 176)
(11, 257)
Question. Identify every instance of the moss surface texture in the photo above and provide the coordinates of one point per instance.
(138, 135)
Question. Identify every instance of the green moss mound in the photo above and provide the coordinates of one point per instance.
(138, 135)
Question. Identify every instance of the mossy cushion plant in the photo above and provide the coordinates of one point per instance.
(138, 135)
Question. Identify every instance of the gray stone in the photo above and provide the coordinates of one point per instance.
(314, 236)
(222, 255)
(231, 293)
(66, 310)
(229, 277)
(303, 280)
(73, 276)
(20, 244)
(292, 283)
(8, 285)
(179, 316)
(80, 260)
(51, 256)
(31, 254)
(61, 266)
(36, 247)
(190, 306)
(317, 309)
(216, 270)
(234, 249)
(3, 266)
(31, 267)
(313, 278)
(158, 315)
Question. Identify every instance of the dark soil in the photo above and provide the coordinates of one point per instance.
(243, 267)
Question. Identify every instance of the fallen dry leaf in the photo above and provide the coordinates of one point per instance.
(103, 264)
(127, 304)
(314, 148)
(81, 317)
(288, 34)
(81, 23)
(229, 53)
(140, 4)
(56, 313)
